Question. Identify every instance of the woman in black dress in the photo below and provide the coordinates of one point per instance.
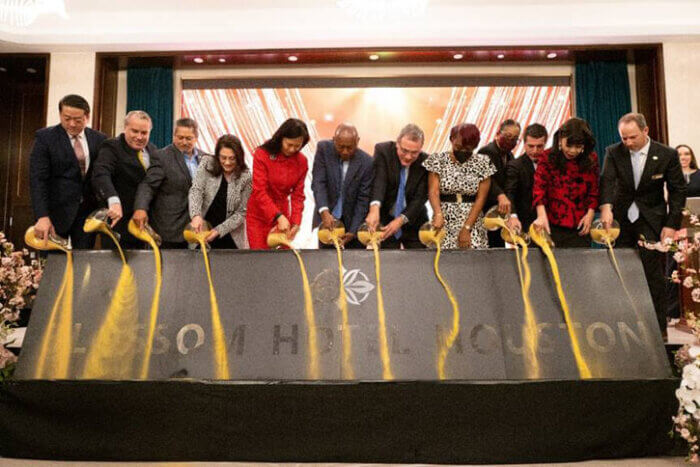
(690, 170)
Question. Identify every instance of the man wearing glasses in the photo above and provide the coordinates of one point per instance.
(400, 189)
(500, 153)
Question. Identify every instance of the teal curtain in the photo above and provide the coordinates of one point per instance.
(151, 89)
(602, 97)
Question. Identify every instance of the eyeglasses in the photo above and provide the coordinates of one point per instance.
(405, 151)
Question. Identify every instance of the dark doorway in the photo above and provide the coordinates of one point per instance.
(23, 80)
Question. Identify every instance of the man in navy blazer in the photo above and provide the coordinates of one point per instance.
(342, 181)
(400, 189)
(60, 168)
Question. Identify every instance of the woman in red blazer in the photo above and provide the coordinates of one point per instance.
(565, 191)
(279, 170)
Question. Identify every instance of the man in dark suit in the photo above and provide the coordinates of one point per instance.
(632, 192)
(165, 189)
(499, 151)
(400, 189)
(121, 165)
(520, 177)
(60, 168)
(342, 182)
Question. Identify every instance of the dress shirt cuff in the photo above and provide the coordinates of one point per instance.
(513, 215)
(322, 208)
(376, 202)
(113, 200)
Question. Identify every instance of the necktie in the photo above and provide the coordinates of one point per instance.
(400, 204)
(79, 154)
(140, 156)
(633, 211)
(338, 209)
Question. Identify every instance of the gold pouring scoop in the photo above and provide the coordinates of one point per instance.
(147, 234)
(366, 237)
(333, 236)
(53, 242)
(98, 221)
(544, 241)
(603, 236)
(432, 238)
(374, 239)
(276, 239)
(197, 238)
(56, 343)
(335, 233)
(540, 237)
(221, 364)
(494, 220)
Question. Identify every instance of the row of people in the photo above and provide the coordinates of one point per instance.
(74, 170)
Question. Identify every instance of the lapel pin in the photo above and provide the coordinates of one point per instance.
(655, 158)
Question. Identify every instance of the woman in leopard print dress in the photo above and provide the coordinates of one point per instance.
(458, 184)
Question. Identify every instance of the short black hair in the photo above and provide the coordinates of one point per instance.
(576, 131)
(74, 100)
(536, 131)
(291, 128)
(188, 123)
(509, 122)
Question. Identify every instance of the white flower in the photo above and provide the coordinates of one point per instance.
(695, 295)
(688, 282)
(679, 257)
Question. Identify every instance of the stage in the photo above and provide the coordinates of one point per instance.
(497, 399)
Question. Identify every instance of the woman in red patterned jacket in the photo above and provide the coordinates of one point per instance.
(565, 193)
(279, 170)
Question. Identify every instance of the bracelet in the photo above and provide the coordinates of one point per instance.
(467, 227)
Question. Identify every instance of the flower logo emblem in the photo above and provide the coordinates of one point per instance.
(357, 286)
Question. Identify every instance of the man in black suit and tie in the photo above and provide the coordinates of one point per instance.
(342, 182)
(60, 168)
(499, 151)
(632, 192)
(400, 189)
(121, 165)
(165, 189)
(520, 177)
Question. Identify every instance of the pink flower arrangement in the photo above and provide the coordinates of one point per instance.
(19, 280)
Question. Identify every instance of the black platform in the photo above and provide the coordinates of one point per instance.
(487, 411)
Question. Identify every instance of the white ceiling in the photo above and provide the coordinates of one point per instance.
(139, 25)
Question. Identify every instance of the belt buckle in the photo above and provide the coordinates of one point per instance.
(459, 197)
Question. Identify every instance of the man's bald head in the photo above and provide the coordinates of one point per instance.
(346, 140)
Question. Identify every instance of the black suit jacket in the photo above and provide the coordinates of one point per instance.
(164, 193)
(520, 178)
(56, 184)
(118, 172)
(357, 184)
(387, 168)
(498, 180)
(662, 166)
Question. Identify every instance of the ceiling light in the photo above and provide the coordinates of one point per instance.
(222, 60)
(374, 57)
(500, 56)
(198, 60)
(551, 55)
(292, 58)
(458, 56)
(31, 70)
(3, 69)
